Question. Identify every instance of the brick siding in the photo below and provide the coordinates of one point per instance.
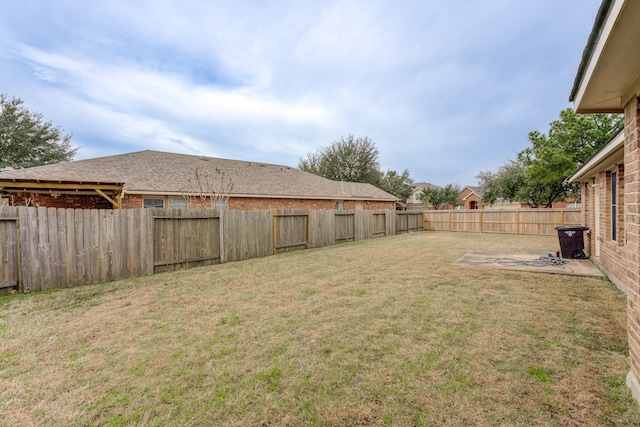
(135, 201)
(632, 219)
(59, 201)
(620, 257)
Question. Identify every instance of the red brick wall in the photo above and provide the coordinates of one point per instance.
(132, 201)
(254, 203)
(470, 198)
(366, 205)
(612, 253)
(135, 201)
(258, 203)
(620, 257)
(632, 228)
(59, 201)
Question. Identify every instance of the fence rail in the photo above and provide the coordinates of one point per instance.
(541, 222)
(47, 248)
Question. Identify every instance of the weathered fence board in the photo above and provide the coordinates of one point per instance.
(408, 221)
(182, 239)
(345, 226)
(247, 234)
(508, 221)
(321, 228)
(9, 246)
(379, 224)
(290, 229)
(47, 248)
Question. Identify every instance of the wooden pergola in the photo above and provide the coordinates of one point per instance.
(111, 191)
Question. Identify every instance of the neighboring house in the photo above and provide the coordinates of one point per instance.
(471, 197)
(414, 202)
(505, 204)
(167, 180)
(569, 203)
(608, 81)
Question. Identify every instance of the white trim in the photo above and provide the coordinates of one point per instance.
(263, 196)
(153, 198)
(612, 17)
(632, 383)
(607, 151)
(470, 194)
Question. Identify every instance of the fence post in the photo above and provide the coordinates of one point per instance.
(221, 219)
(517, 222)
(561, 217)
(449, 220)
(480, 220)
(306, 229)
(274, 220)
(19, 255)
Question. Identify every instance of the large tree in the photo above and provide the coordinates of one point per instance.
(356, 160)
(27, 139)
(571, 141)
(400, 185)
(503, 184)
(538, 175)
(440, 198)
(351, 160)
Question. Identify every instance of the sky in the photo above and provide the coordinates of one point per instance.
(444, 89)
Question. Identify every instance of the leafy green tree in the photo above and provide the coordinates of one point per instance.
(400, 185)
(538, 175)
(553, 157)
(27, 139)
(351, 160)
(504, 184)
(440, 198)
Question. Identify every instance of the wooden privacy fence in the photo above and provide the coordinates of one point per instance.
(541, 222)
(48, 248)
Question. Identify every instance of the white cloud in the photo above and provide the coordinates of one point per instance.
(441, 87)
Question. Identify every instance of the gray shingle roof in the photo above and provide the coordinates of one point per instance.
(475, 189)
(423, 185)
(165, 173)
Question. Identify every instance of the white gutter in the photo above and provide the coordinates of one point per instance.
(262, 196)
(612, 17)
(605, 153)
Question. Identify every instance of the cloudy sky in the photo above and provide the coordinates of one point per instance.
(445, 89)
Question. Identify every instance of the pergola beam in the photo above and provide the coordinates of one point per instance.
(58, 185)
(73, 188)
(115, 203)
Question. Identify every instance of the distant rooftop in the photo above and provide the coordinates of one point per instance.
(166, 173)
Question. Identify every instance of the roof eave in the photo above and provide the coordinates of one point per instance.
(587, 53)
(263, 196)
(609, 153)
(609, 73)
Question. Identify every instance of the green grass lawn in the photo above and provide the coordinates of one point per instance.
(381, 332)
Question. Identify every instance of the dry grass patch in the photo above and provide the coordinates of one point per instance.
(382, 332)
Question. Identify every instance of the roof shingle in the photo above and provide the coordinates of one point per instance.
(166, 173)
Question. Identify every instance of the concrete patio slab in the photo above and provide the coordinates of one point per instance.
(528, 262)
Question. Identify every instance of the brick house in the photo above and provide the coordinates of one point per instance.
(168, 180)
(414, 202)
(471, 197)
(608, 81)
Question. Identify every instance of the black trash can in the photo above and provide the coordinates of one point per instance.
(571, 241)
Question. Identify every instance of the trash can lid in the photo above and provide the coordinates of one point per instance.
(572, 228)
